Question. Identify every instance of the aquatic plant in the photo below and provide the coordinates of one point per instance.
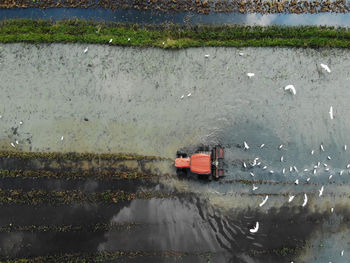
(102, 174)
(39, 196)
(76, 156)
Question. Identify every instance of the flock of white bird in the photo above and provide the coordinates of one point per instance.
(256, 162)
(290, 88)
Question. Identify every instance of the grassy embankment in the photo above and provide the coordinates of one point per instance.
(171, 37)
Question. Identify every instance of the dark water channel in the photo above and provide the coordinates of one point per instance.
(187, 18)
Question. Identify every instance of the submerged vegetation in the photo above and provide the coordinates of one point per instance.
(36, 197)
(83, 174)
(105, 256)
(75, 156)
(171, 37)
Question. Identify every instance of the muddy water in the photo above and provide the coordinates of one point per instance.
(115, 99)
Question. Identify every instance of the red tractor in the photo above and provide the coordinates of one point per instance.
(205, 161)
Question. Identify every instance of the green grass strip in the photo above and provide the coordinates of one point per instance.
(173, 37)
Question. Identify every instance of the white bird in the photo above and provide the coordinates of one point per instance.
(308, 179)
(283, 170)
(261, 146)
(345, 146)
(314, 171)
(241, 53)
(318, 164)
(62, 138)
(255, 229)
(296, 182)
(110, 41)
(128, 38)
(264, 201)
(86, 50)
(163, 43)
(16, 142)
(281, 158)
(244, 165)
(348, 166)
(258, 163)
(326, 169)
(291, 197)
(312, 152)
(255, 187)
(21, 122)
(254, 162)
(322, 148)
(306, 170)
(329, 158)
(271, 171)
(189, 94)
(207, 56)
(0, 116)
(330, 177)
(280, 147)
(264, 167)
(326, 68)
(291, 89)
(295, 169)
(12, 144)
(246, 146)
(332, 209)
(290, 168)
(251, 173)
(342, 253)
(341, 172)
(321, 191)
(250, 75)
(182, 96)
(331, 113)
(325, 165)
(305, 200)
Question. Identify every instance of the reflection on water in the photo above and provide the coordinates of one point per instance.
(191, 225)
(134, 16)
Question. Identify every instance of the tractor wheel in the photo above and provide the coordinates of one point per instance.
(200, 149)
(181, 154)
(221, 164)
(181, 172)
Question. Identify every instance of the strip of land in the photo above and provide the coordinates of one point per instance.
(171, 37)
(197, 6)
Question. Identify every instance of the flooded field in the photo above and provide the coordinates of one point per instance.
(180, 18)
(293, 180)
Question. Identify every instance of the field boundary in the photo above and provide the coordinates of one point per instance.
(170, 36)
